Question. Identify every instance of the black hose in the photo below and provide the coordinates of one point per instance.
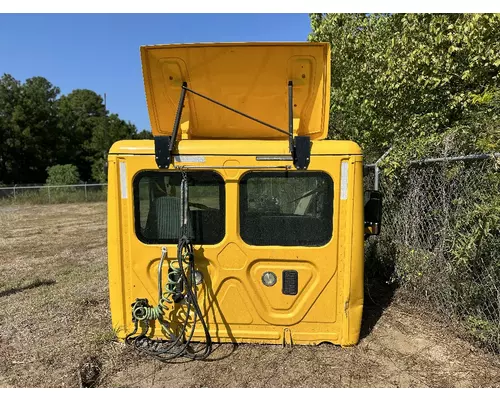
(152, 347)
(192, 294)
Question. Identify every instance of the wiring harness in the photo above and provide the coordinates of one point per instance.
(179, 297)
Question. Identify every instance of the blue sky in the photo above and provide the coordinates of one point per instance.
(101, 51)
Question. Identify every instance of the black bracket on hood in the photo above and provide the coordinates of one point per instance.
(300, 146)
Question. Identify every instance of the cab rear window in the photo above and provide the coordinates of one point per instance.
(286, 208)
(157, 207)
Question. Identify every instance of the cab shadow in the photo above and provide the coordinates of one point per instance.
(378, 297)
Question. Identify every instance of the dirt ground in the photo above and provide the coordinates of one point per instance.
(56, 328)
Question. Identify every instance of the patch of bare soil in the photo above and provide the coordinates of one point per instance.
(56, 328)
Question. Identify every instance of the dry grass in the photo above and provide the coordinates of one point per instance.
(56, 328)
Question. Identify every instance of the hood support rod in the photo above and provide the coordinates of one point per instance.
(299, 146)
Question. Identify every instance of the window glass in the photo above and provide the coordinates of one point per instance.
(158, 204)
(286, 208)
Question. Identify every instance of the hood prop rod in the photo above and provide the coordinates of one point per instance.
(299, 146)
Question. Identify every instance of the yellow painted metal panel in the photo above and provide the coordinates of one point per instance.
(237, 306)
(249, 77)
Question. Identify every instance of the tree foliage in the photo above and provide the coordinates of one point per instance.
(427, 85)
(28, 118)
(63, 175)
(39, 129)
(405, 80)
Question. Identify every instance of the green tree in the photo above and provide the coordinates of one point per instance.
(28, 127)
(80, 112)
(144, 134)
(39, 129)
(403, 80)
(10, 93)
(63, 175)
(105, 133)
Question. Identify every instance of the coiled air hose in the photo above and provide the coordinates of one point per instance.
(181, 289)
(143, 314)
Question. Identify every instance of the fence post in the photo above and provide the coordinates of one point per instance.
(48, 187)
(85, 191)
(15, 191)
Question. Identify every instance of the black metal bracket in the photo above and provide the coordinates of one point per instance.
(299, 147)
(162, 152)
(301, 152)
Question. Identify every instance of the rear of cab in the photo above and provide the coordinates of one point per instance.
(251, 212)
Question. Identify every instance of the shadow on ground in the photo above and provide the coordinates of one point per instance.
(38, 283)
(378, 296)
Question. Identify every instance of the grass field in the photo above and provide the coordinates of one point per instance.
(56, 328)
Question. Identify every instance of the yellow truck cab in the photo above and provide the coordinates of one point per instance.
(239, 221)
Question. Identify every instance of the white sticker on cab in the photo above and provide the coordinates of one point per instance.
(344, 175)
(123, 180)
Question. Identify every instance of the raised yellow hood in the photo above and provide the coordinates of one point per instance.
(249, 77)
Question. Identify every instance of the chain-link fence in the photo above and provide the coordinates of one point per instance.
(41, 194)
(440, 239)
